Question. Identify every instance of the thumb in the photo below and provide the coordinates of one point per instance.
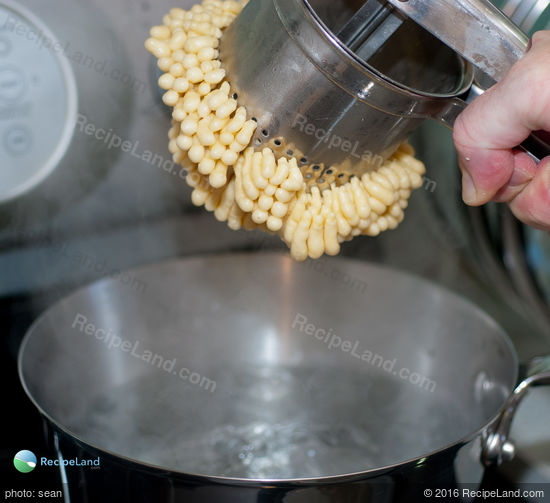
(486, 133)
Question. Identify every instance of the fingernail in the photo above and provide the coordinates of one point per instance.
(520, 179)
(469, 192)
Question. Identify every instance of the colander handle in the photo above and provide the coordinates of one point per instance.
(483, 35)
(475, 29)
(536, 146)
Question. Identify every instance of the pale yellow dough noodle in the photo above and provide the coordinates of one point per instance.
(249, 188)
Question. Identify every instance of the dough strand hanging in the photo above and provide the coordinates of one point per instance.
(248, 188)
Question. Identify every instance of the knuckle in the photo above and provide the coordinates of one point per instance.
(528, 87)
(541, 37)
(538, 94)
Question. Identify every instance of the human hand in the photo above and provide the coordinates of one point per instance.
(486, 133)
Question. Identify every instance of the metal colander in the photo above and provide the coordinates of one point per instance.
(340, 85)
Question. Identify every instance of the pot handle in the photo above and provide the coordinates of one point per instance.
(497, 447)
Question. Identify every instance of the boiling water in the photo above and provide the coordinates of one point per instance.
(278, 451)
(272, 423)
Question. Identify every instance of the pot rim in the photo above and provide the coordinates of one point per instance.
(254, 482)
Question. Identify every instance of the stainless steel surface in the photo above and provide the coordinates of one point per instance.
(517, 264)
(475, 29)
(525, 13)
(274, 383)
(307, 88)
(498, 447)
(370, 28)
(360, 25)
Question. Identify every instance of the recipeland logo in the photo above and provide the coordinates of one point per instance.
(25, 462)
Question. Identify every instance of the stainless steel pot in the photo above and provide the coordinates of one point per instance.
(253, 378)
